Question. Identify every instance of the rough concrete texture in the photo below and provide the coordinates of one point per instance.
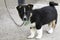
(10, 31)
(41, 1)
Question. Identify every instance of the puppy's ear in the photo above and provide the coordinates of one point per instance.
(30, 5)
(18, 7)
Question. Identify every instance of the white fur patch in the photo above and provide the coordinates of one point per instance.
(39, 33)
(33, 30)
(30, 14)
(51, 30)
(33, 24)
(24, 10)
(25, 16)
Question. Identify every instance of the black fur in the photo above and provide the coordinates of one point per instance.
(43, 15)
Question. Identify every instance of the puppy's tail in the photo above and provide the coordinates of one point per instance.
(53, 4)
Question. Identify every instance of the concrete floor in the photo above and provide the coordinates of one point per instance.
(10, 31)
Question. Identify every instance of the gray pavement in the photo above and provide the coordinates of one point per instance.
(10, 31)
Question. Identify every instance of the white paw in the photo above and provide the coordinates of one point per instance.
(31, 36)
(50, 31)
(39, 37)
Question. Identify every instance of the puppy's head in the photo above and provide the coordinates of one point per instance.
(25, 11)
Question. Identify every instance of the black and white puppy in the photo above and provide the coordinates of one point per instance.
(42, 16)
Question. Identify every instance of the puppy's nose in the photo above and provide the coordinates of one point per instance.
(24, 19)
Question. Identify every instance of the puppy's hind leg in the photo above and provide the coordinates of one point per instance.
(52, 26)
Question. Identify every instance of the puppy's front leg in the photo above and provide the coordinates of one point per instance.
(39, 33)
(39, 30)
(33, 30)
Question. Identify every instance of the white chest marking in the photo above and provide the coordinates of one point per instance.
(33, 24)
